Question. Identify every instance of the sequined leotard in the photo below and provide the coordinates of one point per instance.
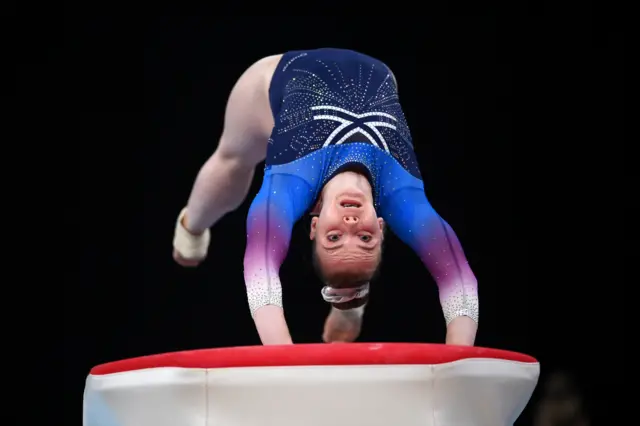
(333, 109)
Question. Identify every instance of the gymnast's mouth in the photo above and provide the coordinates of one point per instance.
(350, 204)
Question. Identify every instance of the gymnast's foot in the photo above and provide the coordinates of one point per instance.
(342, 326)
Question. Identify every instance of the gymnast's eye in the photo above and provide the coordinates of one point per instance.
(365, 238)
(333, 237)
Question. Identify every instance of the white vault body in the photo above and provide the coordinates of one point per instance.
(369, 384)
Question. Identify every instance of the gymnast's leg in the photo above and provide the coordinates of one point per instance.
(343, 326)
(223, 181)
(344, 322)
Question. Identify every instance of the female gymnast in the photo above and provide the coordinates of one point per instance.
(329, 124)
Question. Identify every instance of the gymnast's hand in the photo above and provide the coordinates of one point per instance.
(342, 326)
(189, 249)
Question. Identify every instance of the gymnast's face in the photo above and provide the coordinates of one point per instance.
(347, 233)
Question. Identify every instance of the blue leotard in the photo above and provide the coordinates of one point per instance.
(334, 109)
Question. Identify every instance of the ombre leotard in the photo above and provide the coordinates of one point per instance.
(335, 109)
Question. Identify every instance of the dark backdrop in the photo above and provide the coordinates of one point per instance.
(512, 118)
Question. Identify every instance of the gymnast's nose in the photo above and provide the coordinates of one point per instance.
(350, 219)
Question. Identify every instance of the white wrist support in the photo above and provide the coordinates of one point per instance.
(191, 247)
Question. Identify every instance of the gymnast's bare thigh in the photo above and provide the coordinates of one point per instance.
(248, 120)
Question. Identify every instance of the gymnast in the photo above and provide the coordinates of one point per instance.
(336, 145)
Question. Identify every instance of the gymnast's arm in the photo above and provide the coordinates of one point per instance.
(414, 221)
(281, 201)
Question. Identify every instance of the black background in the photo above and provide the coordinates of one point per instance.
(516, 120)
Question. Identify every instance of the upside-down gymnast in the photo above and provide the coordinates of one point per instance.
(329, 124)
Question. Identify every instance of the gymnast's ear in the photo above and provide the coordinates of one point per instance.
(381, 224)
(314, 224)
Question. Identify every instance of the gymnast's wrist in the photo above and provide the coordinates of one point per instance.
(272, 325)
(461, 331)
